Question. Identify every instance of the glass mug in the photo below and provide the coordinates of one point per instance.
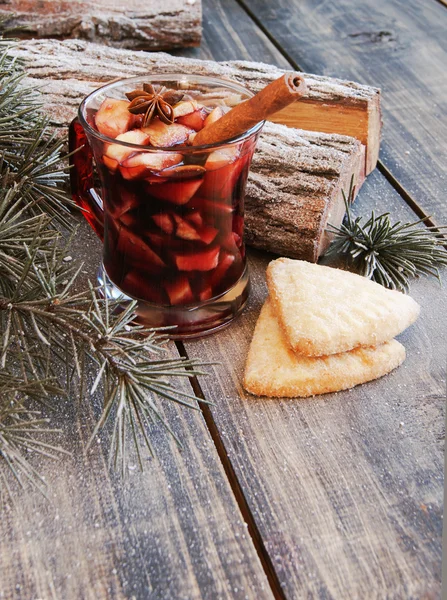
(171, 219)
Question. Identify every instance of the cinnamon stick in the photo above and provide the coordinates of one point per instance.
(276, 95)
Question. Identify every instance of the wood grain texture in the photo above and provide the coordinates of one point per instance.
(361, 122)
(353, 479)
(346, 489)
(327, 100)
(145, 24)
(229, 34)
(173, 531)
(378, 43)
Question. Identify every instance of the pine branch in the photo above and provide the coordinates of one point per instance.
(132, 378)
(39, 312)
(390, 254)
(30, 154)
(46, 324)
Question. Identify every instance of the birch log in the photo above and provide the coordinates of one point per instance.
(144, 24)
(331, 105)
(294, 187)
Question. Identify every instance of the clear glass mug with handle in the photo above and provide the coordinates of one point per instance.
(171, 217)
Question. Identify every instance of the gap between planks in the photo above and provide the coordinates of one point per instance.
(406, 197)
(236, 488)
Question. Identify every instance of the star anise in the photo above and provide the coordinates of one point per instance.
(154, 101)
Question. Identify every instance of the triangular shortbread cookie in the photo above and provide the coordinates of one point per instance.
(327, 311)
(273, 369)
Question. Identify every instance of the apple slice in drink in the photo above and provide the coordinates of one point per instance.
(220, 165)
(162, 243)
(190, 139)
(176, 192)
(194, 120)
(117, 153)
(231, 174)
(214, 214)
(179, 291)
(221, 157)
(206, 293)
(226, 261)
(158, 241)
(184, 107)
(113, 118)
(184, 229)
(222, 175)
(187, 231)
(136, 251)
(212, 283)
(135, 284)
(207, 233)
(204, 260)
(214, 115)
(232, 244)
(129, 219)
(164, 222)
(195, 218)
(163, 135)
(110, 163)
(144, 165)
(121, 201)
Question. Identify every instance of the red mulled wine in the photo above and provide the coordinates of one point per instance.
(175, 236)
(172, 215)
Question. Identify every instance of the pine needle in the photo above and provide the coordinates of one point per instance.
(48, 325)
(389, 253)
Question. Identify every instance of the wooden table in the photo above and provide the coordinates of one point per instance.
(332, 497)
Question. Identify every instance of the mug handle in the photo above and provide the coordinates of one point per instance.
(82, 184)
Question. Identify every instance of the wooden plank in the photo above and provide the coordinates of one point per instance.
(346, 489)
(286, 547)
(379, 43)
(135, 24)
(328, 101)
(331, 534)
(173, 531)
(229, 34)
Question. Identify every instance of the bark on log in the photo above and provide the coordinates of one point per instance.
(144, 24)
(331, 105)
(294, 187)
